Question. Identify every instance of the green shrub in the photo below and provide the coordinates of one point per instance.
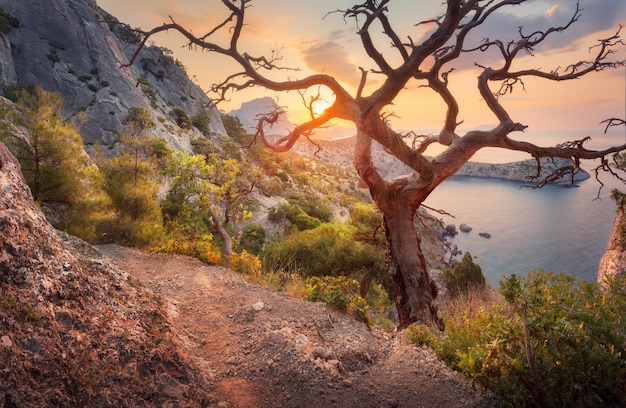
(305, 222)
(53, 56)
(464, 275)
(252, 238)
(246, 263)
(339, 292)
(181, 118)
(147, 88)
(202, 122)
(553, 342)
(329, 249)
(7, 22)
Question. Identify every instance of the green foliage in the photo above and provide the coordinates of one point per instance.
(234, 127)
(202, 122)
(247, 264)
(555, 342)
(252, 238)
(317, 209)
(339, 292)
(211, 190)
(183, 235)
(181, 118)
(464, 275)
(329, 249)
(303, 219)
(138, 119)
(7, 22)
(147, 88)
(619, 198)
(128, 34)
(131, 180)
(367, 221)
(59, 173)
(53, 56)
(305, 222)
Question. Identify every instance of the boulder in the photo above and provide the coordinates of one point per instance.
(465, 228)
(450, 230)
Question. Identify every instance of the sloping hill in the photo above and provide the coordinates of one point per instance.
(80, 331)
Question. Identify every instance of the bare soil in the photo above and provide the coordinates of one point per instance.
(260, 348)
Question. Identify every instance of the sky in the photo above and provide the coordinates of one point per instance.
(314, 39)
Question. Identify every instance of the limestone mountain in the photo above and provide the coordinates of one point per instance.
(67, 46)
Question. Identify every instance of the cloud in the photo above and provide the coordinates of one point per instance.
(330, 57)
(552, 10)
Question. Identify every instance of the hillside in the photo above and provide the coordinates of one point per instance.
(80, 330)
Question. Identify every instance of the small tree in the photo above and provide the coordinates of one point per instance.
(465, 275)
(132, 181)
(219, 188)
(60, 174)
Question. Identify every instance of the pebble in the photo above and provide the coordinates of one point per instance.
(6, 341)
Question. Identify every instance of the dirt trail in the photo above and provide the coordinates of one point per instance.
(259, 348)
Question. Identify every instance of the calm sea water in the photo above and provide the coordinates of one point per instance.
(556, 228)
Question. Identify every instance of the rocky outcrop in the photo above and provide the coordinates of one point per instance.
(520, 171)
(74, 330)
(613, 261)
(65, 46)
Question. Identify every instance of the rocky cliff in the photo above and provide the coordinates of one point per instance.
(66, 46)
(613, 262)
(74, 329)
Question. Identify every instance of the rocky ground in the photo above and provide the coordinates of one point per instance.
(259, 348)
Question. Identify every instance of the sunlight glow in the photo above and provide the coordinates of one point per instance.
(318, 107)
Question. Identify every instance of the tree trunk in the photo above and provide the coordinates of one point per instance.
(398, 200)
(227, 243)
(414, 290)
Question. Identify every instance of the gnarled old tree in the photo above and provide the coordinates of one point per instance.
(427, 63)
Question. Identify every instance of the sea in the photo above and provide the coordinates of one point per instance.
(555, 228)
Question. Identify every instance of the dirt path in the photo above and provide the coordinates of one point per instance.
(259, 348)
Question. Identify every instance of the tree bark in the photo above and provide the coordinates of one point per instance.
(415, 292)
(227, 243)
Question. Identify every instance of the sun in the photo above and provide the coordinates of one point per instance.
(319, 106)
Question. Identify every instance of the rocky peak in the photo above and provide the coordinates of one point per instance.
(65, 46)
(250, 111)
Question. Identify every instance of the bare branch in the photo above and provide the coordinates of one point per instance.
(613, 122)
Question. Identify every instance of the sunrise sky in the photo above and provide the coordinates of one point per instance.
(315, 41)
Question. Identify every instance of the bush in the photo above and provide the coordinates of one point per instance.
(202, 122)
(246, 263)
(181, 238)
(554, 342)
(305, 222)
(7, 22)
(466, 274)
(252, 238)
(329, 249)
(339, 292)
(181, 118)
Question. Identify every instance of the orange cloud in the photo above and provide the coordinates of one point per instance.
(552, 10)
(332, 58)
